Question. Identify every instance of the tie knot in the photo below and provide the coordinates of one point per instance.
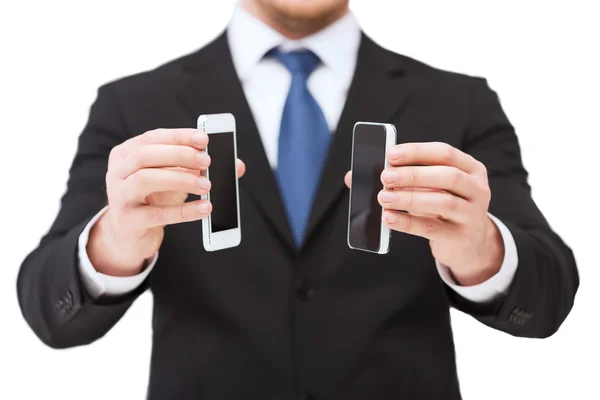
(297, 62)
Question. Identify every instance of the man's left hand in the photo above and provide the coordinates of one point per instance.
(436, 191)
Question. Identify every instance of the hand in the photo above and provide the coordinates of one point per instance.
(148, 180)
(436, 191)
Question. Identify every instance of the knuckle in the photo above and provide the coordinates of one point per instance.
(456, 178)
(414, 176)
(114, 153)
(112, 194)
(486, 193)
(451, 203)
(136, 181)
(481, 166)
(170, 136)
(158, 215)
(429, 227)
(146, 137)
(112, 180)
(135, 158)
(448, 152)
(410, 199)
(151, 136)
(415, 149)
(113, 162)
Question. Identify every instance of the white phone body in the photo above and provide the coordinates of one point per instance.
(387, 140)
(228, 235)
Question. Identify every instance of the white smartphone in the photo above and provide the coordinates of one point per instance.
(366, 230)
(222, 228)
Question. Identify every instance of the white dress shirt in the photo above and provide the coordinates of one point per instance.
(266, 83)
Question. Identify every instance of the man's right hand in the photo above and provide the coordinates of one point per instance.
(148, 180)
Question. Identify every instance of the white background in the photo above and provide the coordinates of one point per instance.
(542, 58)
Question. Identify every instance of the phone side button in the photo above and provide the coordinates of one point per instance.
(305, 292)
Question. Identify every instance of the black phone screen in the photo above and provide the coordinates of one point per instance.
(222, 175)
(368, 162)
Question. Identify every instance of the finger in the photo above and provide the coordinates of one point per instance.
(422, 214)
(348, 179)
(181, 137)
(428, 228)
(196, 171)
(434, 153)
(241, 168)
(146, 181)
(153, 216)
(426, 215)
(162, 155)
(445, 178)
(444, 204)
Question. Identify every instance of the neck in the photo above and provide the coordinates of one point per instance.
(288, 26)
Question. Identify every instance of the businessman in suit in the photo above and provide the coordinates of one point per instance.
(292, 313)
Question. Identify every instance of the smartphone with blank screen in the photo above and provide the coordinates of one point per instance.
(366, 230)
(222, 228)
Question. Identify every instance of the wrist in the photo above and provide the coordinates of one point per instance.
(488, 264)
(106, 253)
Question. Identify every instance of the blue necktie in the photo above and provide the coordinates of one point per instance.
(303, 141)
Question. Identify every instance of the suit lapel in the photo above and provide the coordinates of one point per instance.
(379, 89)
(211, 85)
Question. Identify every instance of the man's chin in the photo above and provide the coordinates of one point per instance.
(305, 11)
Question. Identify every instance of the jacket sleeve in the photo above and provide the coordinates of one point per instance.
(543, 289)
(51, 295)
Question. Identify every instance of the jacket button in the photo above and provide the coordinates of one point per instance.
(65, 304)
(519, 316)
(305, 292)
(308, 396)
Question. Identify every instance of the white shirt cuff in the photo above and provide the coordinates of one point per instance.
(498, 284)
(98, 284)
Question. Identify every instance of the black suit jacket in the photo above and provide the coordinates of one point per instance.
(265, 320)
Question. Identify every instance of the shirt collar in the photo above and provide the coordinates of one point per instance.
(336, 45)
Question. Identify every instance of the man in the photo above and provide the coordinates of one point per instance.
(292, 312)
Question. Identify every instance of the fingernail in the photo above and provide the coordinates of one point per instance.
(387, 196)
(204, 208)
(395, 153)
(391, 218)
(199, 138)
(204, 183)
(203, 158)
(389, 176)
